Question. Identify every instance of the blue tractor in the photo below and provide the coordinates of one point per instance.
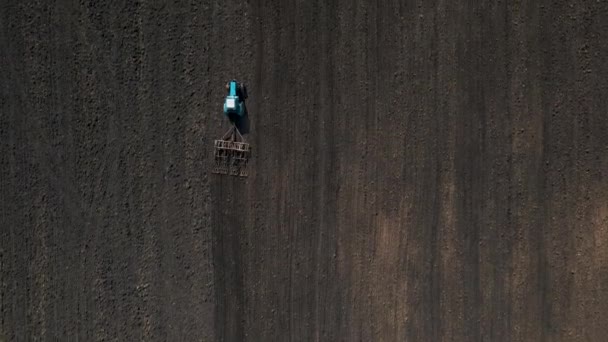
(234, 104)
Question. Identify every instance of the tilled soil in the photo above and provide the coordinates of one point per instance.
(421, 171)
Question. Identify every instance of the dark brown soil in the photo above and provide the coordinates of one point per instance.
(422, 171)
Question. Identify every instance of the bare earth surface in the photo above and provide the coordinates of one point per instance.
(421, 171)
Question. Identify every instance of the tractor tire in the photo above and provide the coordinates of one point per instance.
(244, 91)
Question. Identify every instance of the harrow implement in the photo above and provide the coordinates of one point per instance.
(232, 153)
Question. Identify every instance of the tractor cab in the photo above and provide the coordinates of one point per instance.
(234, 105)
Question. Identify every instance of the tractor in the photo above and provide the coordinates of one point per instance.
(232, 152)
(234, 103)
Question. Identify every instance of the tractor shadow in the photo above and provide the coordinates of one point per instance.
(243, 124)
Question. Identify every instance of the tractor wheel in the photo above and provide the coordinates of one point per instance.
(244, 91)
